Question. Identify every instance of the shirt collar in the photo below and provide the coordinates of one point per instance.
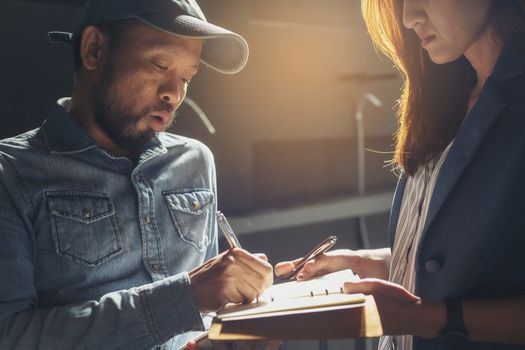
(62, 133)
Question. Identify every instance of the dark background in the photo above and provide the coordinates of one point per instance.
(285, 145)
(285, 125)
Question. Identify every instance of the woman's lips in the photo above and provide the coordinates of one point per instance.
(427, 40)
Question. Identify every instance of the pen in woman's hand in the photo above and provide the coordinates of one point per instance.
(227, 231)
(314, 253)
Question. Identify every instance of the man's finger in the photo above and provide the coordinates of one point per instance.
(259, 281)
(208, 263)
(261, 256)
(261, 267)
(246, 293)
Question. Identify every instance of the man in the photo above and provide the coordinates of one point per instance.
(102, 214)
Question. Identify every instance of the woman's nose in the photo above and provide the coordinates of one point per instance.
(413, 13)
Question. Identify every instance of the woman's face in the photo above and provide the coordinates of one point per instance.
(447, 28)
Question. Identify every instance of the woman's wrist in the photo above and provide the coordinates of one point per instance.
(372, 263)
(429, 319)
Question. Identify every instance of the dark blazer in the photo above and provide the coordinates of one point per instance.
(474, 237)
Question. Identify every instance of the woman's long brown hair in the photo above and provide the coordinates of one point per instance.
(434, 97)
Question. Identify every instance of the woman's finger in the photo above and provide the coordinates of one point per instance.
(378, 287)
(283, 268)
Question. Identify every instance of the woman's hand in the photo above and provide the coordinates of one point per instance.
(370, 263)
(401, 312)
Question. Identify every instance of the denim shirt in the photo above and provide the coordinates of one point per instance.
(94, 250)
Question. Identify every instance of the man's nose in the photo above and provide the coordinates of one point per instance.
(413, 13)
(172, 92)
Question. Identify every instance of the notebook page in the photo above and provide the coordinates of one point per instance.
(331, 283)
(264, 308)
(321, 292)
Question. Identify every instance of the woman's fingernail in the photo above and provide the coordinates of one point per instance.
(300, 276)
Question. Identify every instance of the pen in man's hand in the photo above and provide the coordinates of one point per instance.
(227, 231)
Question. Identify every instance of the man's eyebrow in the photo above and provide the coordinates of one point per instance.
(158, 45)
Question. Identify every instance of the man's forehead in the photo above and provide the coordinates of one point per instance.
(156, 39)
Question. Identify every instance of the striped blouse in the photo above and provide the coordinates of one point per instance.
(412, 216)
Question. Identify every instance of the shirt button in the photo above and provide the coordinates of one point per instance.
(136, 178)
(432, 266)
(155, 267)
(147, 219)
(86, 212)
(196, 205)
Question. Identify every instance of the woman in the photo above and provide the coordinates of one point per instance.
(457, 224)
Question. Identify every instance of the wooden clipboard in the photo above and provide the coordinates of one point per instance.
(336, 322)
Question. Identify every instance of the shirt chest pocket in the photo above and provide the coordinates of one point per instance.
(84, 226)
(191, 215)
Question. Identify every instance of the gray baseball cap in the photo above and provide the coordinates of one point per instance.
(223, 50)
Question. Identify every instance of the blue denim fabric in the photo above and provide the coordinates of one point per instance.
(94, 250)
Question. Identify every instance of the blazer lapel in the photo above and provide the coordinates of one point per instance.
(396, 208)
(477, 123)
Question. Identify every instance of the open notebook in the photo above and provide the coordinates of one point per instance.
(322, 292)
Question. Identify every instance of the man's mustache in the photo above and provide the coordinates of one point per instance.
(161, 107)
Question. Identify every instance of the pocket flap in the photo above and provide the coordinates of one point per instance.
(86, 207)
(190, 202)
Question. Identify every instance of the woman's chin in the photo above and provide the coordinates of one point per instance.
(442, 57)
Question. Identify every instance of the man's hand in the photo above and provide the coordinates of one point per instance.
(234, 276)
(366, 263)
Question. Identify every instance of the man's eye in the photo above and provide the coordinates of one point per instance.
(159, 67)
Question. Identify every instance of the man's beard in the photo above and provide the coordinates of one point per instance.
(117, 123)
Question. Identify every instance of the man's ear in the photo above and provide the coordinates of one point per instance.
(93, 47)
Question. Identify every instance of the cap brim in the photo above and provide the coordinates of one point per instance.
(223, 50)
